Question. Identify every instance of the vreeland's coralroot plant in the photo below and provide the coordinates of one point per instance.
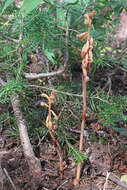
(87, 59)
(51, 126)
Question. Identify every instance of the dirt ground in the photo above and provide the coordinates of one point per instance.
(106, 164)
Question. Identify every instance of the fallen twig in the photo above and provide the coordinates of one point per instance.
(32, 76)
(106, 182)
(111, 176)
(123, 69)
(9, 178)
(115, 179)
(62, 184)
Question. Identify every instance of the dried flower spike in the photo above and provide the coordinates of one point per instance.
(87, 59)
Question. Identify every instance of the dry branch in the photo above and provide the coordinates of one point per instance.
(32, 76)
(9, 178)
(116, 180)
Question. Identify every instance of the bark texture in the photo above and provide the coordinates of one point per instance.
(33, 162)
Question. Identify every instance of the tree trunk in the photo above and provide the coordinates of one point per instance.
(33, 162)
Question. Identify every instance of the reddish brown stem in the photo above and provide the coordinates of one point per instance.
(58, 152)
(76, 182)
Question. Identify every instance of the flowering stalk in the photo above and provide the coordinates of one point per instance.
(51, 126)
(87, 59)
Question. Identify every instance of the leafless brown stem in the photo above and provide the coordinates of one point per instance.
(50, 126)
(76, 182)
(86, 55)
(57, 146)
